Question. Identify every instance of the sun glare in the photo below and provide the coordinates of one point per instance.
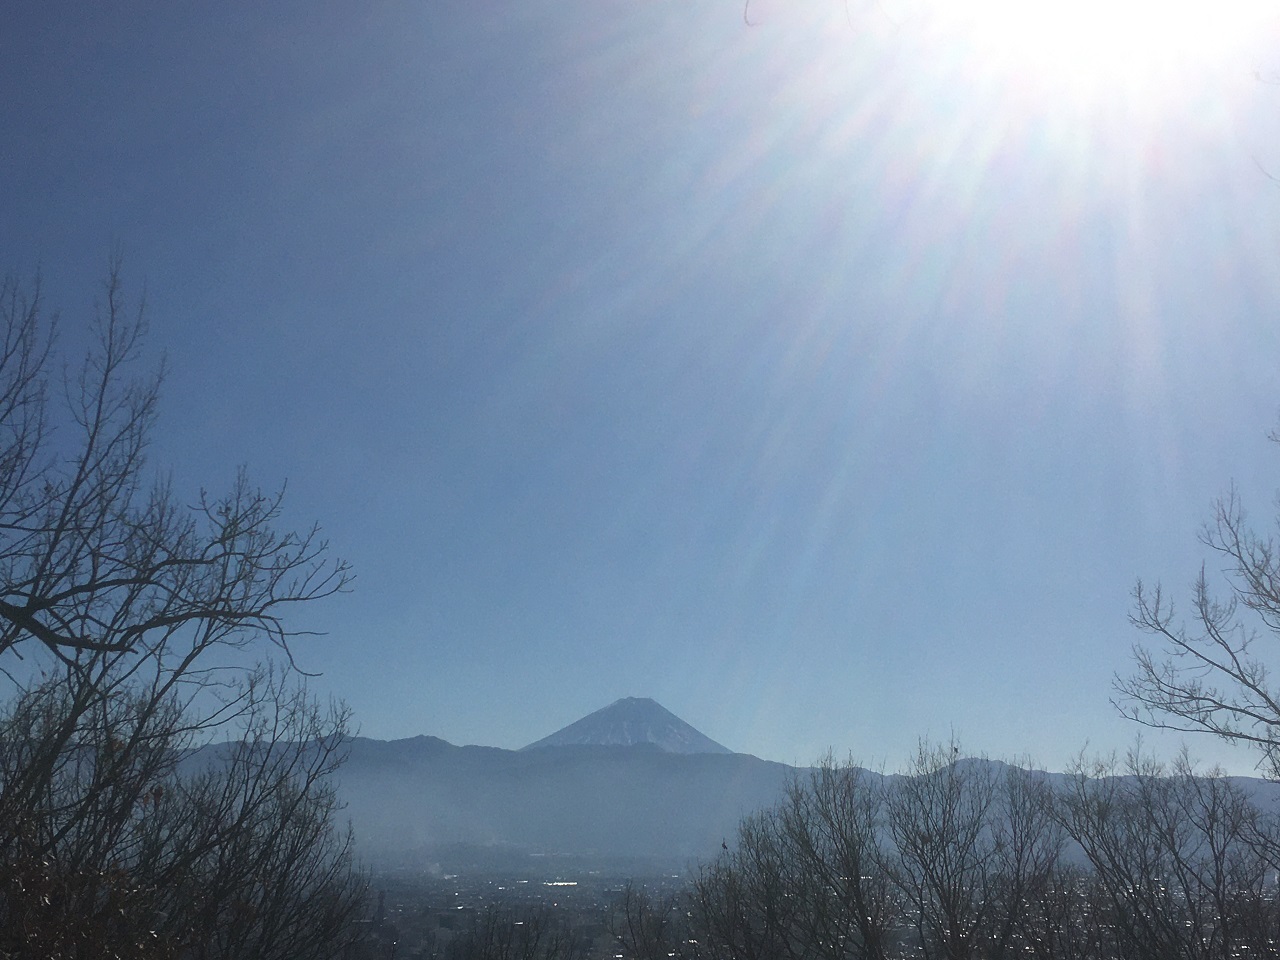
(1096, 46)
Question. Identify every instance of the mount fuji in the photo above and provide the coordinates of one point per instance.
(632, 721)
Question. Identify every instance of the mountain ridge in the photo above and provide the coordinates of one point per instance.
(406, 798)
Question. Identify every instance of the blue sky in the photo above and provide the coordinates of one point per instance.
(827, 379)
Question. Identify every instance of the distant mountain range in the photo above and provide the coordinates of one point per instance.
(629, 782)
(630, 787)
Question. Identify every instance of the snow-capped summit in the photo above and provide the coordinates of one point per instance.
(631, 721)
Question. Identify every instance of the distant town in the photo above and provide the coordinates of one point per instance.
(421, 915)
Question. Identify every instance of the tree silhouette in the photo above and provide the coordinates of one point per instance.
(131, 632)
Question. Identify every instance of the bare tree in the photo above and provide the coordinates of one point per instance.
(940, 817)
(1182, 859)
(1066, 919)
(744, 905)
(648, 926)
(1209, 670)
(833, 822)
(97, 558)
(1028, 843)
(122, 613)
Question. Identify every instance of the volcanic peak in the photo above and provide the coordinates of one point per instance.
(632, 721)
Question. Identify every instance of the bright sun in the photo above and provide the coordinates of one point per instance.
(1094, 46)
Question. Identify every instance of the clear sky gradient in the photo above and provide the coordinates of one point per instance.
(829, 379)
